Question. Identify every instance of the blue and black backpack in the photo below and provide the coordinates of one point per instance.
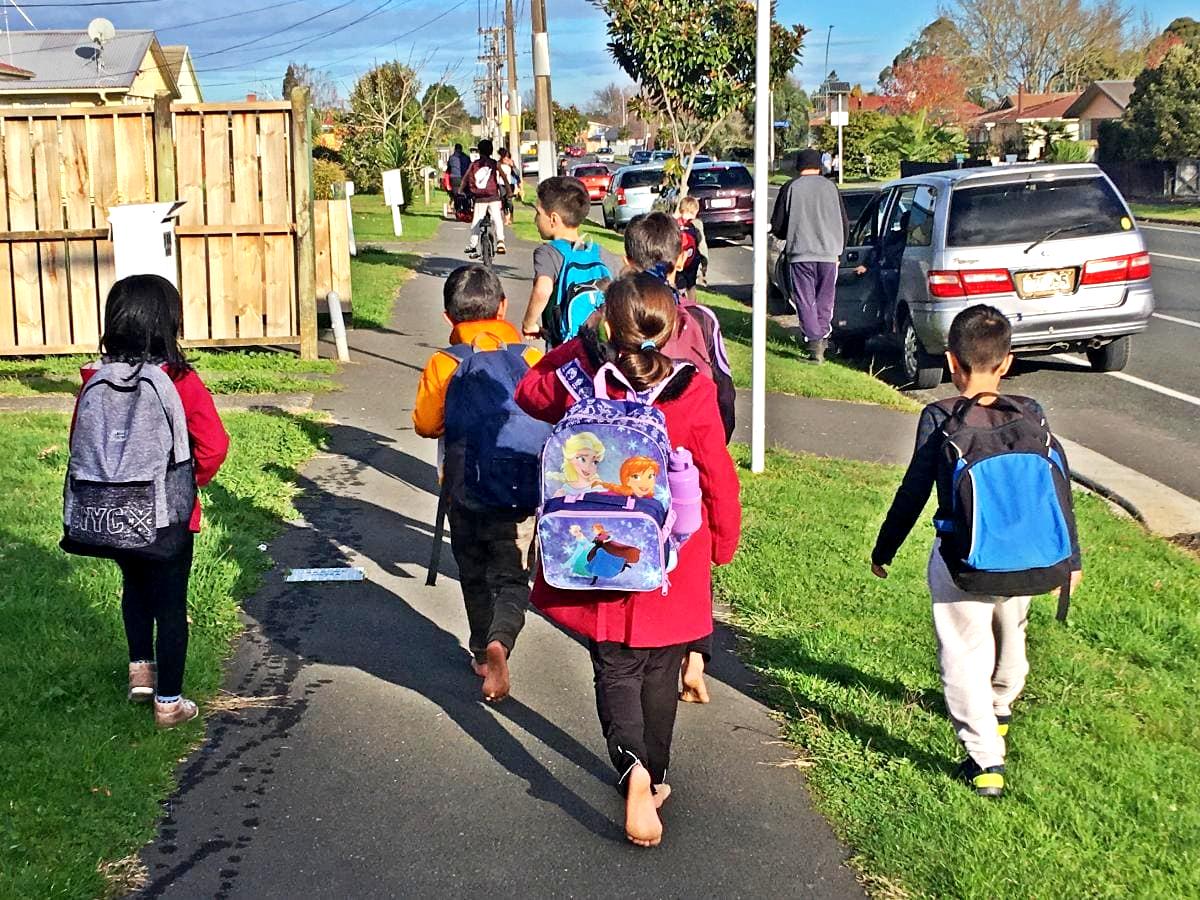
(1009, 534)
(492, 445)
(578, 292)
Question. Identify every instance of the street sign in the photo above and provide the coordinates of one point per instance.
(783, 123)
(839, 118)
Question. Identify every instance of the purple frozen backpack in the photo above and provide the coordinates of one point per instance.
(606, 516)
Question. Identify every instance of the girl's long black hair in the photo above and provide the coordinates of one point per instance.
(143, 322)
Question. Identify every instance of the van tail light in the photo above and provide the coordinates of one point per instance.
(1115, 269)
(620, 196)
(949, 284)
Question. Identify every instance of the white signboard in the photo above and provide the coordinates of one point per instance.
(839, 118)
(143, 236)
(393, 188)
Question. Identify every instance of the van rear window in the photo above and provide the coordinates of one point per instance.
(721, 177)
(1019, 212)
(642, 178)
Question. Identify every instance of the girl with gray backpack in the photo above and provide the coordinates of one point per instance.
(145, 434)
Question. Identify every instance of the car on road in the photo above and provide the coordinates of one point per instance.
(1054, 247)
(640, 157)
(726, 194)
(595, 178)
(661, 155)
(529, 166)
(575, 151)
(631, 192)
(606, 155)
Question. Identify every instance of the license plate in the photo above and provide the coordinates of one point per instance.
(1046, 284)
(722, 203)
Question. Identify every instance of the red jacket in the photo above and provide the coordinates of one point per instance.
(649, 619)
(210, 443)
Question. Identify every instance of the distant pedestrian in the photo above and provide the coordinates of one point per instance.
(465, 396)
(1005, 530)
(484, 182)
(810, 217)
(826, 162)
(637, 638)
(145, 434)
(511, 175)
(695, 246)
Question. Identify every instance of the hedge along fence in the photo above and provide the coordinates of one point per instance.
(246, 233)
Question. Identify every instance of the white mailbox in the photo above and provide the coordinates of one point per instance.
(393, 196)
(144, 242)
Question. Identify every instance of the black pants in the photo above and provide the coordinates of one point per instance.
(703, 646)
(636, 697)
(155, 593)
(493, 556)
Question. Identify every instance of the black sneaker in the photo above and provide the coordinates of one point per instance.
(987, 782)
(472, 253)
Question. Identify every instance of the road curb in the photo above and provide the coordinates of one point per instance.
(1156, 220)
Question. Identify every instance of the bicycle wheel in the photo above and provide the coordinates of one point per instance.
(487, 241)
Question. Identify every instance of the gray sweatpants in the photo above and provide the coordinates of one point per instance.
(981, 652)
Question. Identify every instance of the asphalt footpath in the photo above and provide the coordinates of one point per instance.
(355, 757)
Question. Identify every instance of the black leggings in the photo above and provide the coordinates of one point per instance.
(155, 592)
(637, 693)
(703, 646)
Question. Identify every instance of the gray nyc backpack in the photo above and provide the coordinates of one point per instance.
(130, 487)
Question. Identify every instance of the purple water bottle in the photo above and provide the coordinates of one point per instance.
(684, 480)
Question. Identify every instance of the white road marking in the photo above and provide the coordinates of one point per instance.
(1179, 229)
(1195, 259)
(1176, 320)
(1133, 379)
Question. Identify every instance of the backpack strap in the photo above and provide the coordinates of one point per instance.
(576, 380)
(648, 397)
(461, 352)
(966, 404)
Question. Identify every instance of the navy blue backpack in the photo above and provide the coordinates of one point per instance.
(1009, 534)
(492, 445)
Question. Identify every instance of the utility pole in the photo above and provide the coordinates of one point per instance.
(514, 100)
(489, 85)
(541, 88)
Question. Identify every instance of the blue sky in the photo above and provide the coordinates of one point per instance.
(442, 34)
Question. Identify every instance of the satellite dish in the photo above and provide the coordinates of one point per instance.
(101, 31)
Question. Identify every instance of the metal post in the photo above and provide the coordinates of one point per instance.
(514, 99)
(841, 158)
(758, 321)
(541, 88)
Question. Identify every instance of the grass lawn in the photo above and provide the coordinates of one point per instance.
(1103, 754)
(373, 220)
(82, 772)
(377, 276)
(1187, 213)
(223, 371)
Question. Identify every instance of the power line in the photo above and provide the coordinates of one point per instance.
(90, 3)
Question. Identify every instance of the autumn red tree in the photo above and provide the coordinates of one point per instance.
(932, 83)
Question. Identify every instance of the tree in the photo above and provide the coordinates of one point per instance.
(448, 99)
(569, 123)
(323, 93)
(695, 62)
(916, 138)
(609, 104)
(933, 83)
(792, 105)
(941, 37)
(1164, 113)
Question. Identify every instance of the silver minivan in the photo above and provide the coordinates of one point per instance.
(631, 192)
(1054, 247)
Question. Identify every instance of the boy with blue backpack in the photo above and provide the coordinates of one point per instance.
(490, 467)
(570, 273)
(1005, 529)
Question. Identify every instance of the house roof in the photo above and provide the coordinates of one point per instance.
(66, 60)
(1119, 92)
(8, 70)
(175, 55)
(1033, 107)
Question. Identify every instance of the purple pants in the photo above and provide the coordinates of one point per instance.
(814, 288)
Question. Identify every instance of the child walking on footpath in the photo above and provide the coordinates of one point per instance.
(694, 269)
(465, 396)
(1005, 531)
(144, 435)
(637, 637)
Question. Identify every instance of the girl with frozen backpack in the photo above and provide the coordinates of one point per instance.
(637, 620)
(145, 434)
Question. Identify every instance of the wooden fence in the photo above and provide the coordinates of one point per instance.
(246, 231)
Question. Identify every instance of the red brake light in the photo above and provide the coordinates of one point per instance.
(620, 196)
(969, 283)
(1139, 266)
(1115, 269)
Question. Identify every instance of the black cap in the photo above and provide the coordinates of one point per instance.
(809, 158)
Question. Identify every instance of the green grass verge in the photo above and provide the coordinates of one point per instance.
(223, 371)
(373, 220)
(377, 276)
(1104, 755)
(82, 772)
(1188, 213)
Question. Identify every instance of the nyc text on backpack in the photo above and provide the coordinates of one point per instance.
(578, 291)
(492, 445)
(606, 517)
(130, 484)
(1009, 533)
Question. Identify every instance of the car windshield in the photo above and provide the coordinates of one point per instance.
(644, 178)
(590, 170)
(1025, 212)
(721, 177)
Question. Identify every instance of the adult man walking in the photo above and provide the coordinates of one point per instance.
(811, 217)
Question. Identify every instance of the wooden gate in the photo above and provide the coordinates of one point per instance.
(246, 253)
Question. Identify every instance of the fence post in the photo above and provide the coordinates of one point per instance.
(164, 150)
(306, 263)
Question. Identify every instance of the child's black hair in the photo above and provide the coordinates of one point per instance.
(143, 321)
(980, 338)
(485, 147)
(566, 196)
(472, 293)
(651, 239)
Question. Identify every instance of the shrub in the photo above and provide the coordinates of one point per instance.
(325, 175)
(1069, 152)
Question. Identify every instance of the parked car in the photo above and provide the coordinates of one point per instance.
(595, 178)
(631, 192)
(726, 194)
(529, 166)
(640, 157)
(606, 155)
(661, 155)
(575, 151)
(1054, 247)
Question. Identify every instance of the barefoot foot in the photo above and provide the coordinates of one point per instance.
(495, 683)
(661, 793)
(479, 668)
(642, 824)
(692, 675)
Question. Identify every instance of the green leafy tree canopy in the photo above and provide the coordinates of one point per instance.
(1164, 113)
